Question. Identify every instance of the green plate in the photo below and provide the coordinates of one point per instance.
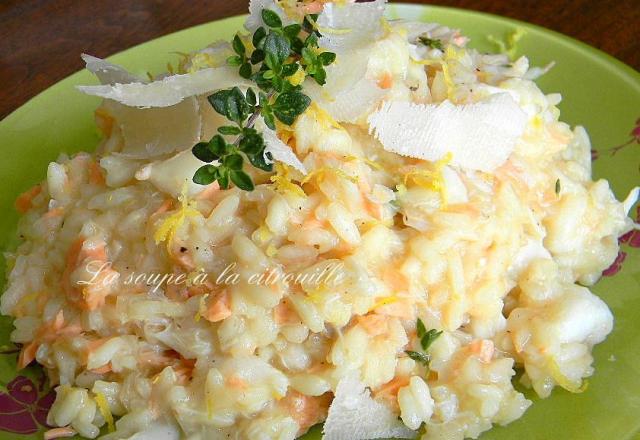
(599, 92)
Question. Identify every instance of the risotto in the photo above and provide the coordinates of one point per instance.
(430, 227)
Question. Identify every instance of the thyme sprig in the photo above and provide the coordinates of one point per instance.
(430, 42)
(277, 60)
(427, 337)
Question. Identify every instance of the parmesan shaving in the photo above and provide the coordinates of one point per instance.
(170, 90)
(434, 31)
(346, 27)
(154, 132)
(481, 136)
(350, 104)
(354, 415)
(254, 20)
(348, 94)
(107, 72)
(172, 174)
(281, 151)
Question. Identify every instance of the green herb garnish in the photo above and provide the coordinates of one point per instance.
(282, 57)
(431, 42)
(558, 187)
(427, 337)
(417, 356)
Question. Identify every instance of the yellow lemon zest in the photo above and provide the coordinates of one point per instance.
(372, 163)
(537, 122)
(22, 302)
(167, 229)
(564, 381)
(290, 8)
(284, 132)
(321, 173)
(262, 234)
(103, 406)
(383, 302)
(297, 78)
(271, 250)
(282, 181)
(512, 42)
(509, 46)
(451, 54)
(332, 31)
(184, 59)
(202, 307)
(427, 62)
(431, 179)
(247, 39)
(316, 296)
(385, 26)
(200, 61)
(448, 80)
(323, 117)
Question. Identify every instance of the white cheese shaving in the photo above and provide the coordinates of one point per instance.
(349, 94)
(481, 136)
(354, 415)
(154, 132)
(351, 104)
(454, 186)
(108, 73)
(435, 31)
(254, 20)
(170, 90)
(347, 26)
(281, 151)
(171, 175)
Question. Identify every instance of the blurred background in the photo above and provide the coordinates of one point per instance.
(41, 40)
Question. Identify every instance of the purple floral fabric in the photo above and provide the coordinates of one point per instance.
(631, 239)
(24, 407)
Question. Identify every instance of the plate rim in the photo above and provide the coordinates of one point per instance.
(627, 72)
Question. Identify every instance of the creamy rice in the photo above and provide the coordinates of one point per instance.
(490, 258)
